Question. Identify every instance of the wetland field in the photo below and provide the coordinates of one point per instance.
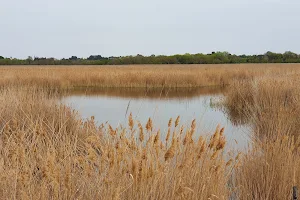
(228, 131)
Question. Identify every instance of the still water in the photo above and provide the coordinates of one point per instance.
(113, 106)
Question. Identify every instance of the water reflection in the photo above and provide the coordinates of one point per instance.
(114, 106)
(149, 93)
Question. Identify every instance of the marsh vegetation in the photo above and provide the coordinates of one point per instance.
(48, 151)
(149, 76)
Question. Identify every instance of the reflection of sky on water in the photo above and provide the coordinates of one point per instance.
(113, 110)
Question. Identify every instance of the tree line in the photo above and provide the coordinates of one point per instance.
(212, 58)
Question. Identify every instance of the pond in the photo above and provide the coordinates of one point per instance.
(113, 106)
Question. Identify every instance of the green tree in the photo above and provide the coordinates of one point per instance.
(29, 60)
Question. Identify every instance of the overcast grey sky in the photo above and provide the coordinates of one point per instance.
(62, 28)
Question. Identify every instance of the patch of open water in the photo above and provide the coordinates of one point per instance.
(113, 106)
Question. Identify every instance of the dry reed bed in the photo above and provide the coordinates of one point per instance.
(271, 105)
(139, 75)
(271, 168)
(46, 149)
(48, 152)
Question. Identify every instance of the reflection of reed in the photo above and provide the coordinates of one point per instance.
(237, 118)
(144, 93)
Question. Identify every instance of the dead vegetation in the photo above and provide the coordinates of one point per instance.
(48, 152)
(150, 76)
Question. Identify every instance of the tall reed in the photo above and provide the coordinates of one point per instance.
(48, 152)
(270, 168)
(150, 76)
(271, 106)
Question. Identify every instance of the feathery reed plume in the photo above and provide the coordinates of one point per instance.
(157, 137)
(221, 143)
(168, 135)
(202, 148)
(112, 132)
(181, 129)
(187, 138)
(171, 151)
(200, 141)
(177, 121)
(193, 128)
(170, 123)
(222, 131)
(144, 154)
(229, 163)
(130, 121)
(215, 138)
(238, 156)
(141, 132)
(149, 125)
(215, 155)
(193, 125)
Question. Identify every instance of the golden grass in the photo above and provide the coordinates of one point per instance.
(270, 168)
(139, 76)
(271, 105)
(48, 152)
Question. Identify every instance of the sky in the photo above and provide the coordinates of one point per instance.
(65, 28)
